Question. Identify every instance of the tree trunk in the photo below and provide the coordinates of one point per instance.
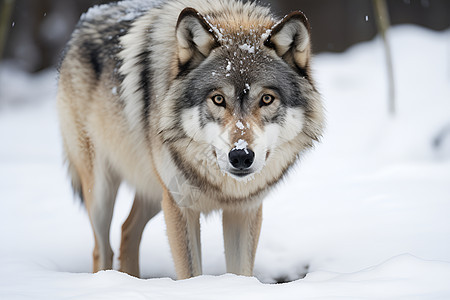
(6, 7)
(382, 20)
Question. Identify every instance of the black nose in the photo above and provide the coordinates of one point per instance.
(241, 158)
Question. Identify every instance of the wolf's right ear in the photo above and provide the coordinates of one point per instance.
(195, 38)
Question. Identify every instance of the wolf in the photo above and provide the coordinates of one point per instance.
(199, 105)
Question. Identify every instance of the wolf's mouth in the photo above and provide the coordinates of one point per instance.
(240, 173)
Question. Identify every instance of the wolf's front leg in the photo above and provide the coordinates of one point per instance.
(183, 231)
(241, 234)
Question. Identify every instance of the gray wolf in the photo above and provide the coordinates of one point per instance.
(200, 105)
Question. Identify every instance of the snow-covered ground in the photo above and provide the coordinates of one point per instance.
(365, 215)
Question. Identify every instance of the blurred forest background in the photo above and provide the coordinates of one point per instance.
(37, 30)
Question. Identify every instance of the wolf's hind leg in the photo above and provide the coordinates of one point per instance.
(183, 231)
(241, 234)
(142, 211)
(99, 192)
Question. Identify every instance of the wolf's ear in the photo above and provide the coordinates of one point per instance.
(290, 38)
(195, 38)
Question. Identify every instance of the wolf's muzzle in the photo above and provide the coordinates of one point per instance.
(241, 159)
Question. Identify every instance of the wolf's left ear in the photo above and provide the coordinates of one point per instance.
(195, 38)
(290, 38)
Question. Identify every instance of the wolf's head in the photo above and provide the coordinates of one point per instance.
(247, 105)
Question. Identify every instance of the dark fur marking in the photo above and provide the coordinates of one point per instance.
(243, 97)
(184, 69)
(145, 86)
(303, 72)
(94, 59)
(210, 118)
(103, 52)
(188, 249)
(173, 139)
(279, 116)
(78, 192)
(191, 173)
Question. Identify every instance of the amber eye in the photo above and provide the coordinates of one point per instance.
(218, 100)
(266, 99)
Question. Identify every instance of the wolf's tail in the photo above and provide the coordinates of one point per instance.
(75, 180)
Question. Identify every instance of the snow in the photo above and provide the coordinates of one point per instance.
(214, 29)
(228, 68)
(131, 9)
(266, 34)
(364, 215)
(247, 47)
(241, 145)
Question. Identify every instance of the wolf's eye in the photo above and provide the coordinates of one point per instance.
(218, 100)
(266, 99)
